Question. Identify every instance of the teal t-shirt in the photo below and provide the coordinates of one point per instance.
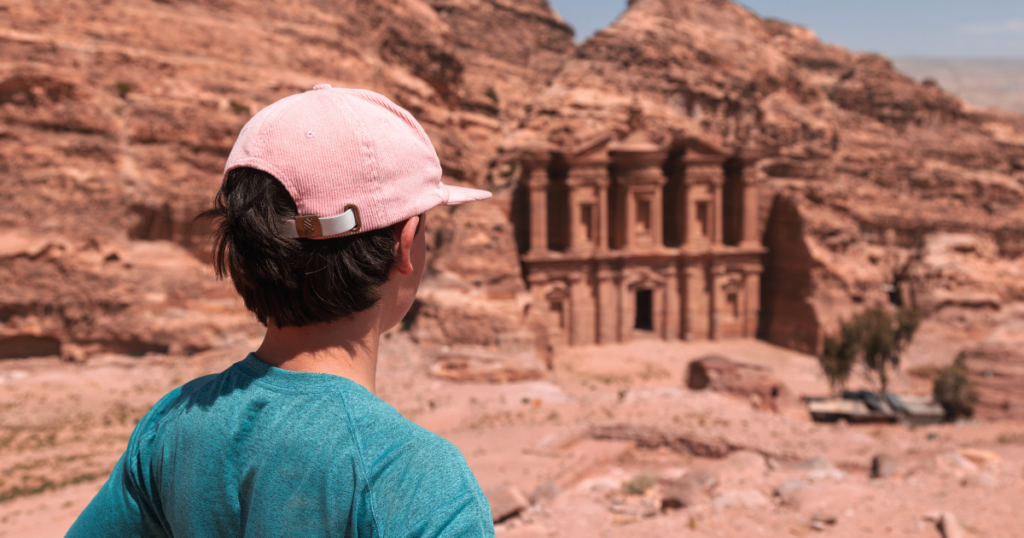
(261, 451)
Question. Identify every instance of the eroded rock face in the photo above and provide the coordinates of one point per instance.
(115, 121)
(76, 298)
(996, 366)
(117, 118)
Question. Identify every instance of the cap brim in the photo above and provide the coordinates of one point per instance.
(461, 195)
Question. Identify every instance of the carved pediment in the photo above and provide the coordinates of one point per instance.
(592, 150)
(643, 277)
(557, 295)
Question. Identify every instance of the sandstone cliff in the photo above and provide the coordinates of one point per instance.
(117, 119)
(862, 164)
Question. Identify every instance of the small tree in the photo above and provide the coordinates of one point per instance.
(839, 354)
(876, 336)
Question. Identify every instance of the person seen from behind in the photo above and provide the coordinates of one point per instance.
(320, 227)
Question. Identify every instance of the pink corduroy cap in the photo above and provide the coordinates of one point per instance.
(352, 160)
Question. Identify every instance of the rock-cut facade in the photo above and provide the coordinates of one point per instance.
(628, 239)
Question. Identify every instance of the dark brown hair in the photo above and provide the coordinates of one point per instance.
(292, 282)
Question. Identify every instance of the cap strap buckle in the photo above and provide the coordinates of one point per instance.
(307, 226)
(310, 226)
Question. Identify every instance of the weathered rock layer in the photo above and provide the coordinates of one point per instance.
(116, 120)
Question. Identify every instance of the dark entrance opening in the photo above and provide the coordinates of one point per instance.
(644, 310)
(732, 203)
(787, 317)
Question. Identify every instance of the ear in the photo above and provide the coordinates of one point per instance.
(406, 233)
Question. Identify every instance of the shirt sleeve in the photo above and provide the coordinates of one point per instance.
(124, 506)
(467, 515)
(118, 509)
(422, 488)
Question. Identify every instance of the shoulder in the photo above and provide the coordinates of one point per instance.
(416, 478)
(177, 397)
(201, 392)
(388, 438)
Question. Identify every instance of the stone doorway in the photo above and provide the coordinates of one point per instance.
(644, 310)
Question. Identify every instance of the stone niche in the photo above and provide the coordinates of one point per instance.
(624, 239)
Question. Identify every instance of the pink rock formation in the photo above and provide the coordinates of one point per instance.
(116, 119)
(864, 162)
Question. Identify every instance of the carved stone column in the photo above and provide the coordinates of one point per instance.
(603, 212)
(630, 232)
(657, 214)
(750, 236)
(717, 277)
(576, 242)
(752, 309)
(627, 310)
(693, 225)
(672, 303)
(583, 315)
(535, 168)
(698, 309)
(718, 220)
(658, 304)
(608, 306)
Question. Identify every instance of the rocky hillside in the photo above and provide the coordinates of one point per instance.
(863, 165)
(117, 119)
(984, 83)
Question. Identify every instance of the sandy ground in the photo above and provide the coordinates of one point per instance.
(63, 426)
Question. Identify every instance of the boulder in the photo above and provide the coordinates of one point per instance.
(788, 491)
(683, 494)
(717, 373)
(826, 497)
(814, 464)
(545, 491)
(950, 527)
(833, 475)
(635, 506)
(702, 477)
(741, 498)
(506, 501)
(821, 520)
(884, 465)
(983, 480)
(984, 459)
(741, 467)
(954, 462)
(690, 490)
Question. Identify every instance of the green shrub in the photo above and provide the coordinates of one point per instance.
(239, 108)
(639, 484)
(955, 391)
(123, 88)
